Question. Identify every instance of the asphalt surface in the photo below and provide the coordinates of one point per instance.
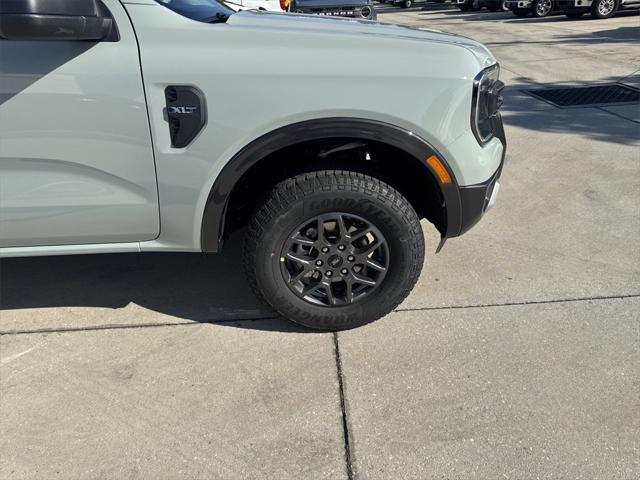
(516, 356)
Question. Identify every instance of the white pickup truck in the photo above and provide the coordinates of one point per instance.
(157, 126)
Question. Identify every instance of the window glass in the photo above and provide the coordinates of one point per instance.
(201, 10)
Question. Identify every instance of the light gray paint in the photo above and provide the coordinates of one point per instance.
(261, 71)
(76, 163)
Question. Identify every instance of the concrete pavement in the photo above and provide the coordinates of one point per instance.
(521, 392)
(185, 401)
(516, 356)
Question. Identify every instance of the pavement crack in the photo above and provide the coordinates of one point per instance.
(515, 304)
(343, 409)
(235, 320)
(127, 326)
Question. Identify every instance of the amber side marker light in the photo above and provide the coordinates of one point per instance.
(435, 163)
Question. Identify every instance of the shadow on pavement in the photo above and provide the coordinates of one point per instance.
(478, 15)
(592, 124)
(629, 35)
(194, 287)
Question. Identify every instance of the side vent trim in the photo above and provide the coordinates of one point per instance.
(186, 113)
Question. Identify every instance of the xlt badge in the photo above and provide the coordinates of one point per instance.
(186, 113)
(183, 110)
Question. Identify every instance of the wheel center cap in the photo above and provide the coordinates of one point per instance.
(334, 261)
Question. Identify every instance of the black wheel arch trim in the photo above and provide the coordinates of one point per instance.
(213, 219)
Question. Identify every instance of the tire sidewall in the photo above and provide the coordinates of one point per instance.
(391, 224)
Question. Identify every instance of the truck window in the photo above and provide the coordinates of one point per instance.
(200, 10)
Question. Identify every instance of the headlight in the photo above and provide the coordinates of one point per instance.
(485, 103)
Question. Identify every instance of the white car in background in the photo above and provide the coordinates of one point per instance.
(268, 5)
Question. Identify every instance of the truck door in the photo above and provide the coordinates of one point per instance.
(76, 158)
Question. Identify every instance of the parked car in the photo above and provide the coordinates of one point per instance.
(164, 125)
(408, 3)
(598, 8)
(536, 8)
(476, 5)
(403, 3)
(268, 5)
(335, 8)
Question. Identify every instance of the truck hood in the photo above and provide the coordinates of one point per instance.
(350, 26)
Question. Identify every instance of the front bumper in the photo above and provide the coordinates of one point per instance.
(569, 4)
(476, 199)
(520, 4)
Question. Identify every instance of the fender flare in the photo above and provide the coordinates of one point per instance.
(213, 219)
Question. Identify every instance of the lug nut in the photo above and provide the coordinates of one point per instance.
(351, 258)
(325, 249)
(344, 271)
(329, 273)
(319, 263)
(341, 247)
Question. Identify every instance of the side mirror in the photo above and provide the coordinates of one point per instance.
(88, 20)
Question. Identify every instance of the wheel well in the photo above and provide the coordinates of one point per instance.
(393, 165)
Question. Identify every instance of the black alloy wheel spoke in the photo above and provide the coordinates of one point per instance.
(301, 240)
(298, 259)
(364, 280)
(334, 259)
(376, 265)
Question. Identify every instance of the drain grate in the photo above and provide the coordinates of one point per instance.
(587, 96)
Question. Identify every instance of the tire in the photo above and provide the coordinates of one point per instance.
(541, 8)
(602, 9)
(407, 3)
(521, 12)
(503, 6)
(574, 14)
(275, 236)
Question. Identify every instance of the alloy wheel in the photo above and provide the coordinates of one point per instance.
(606, 7)
(334, 259)
(543, 7)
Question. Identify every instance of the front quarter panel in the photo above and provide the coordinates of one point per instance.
(257, 79)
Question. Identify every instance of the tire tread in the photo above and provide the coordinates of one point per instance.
(288, 192)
